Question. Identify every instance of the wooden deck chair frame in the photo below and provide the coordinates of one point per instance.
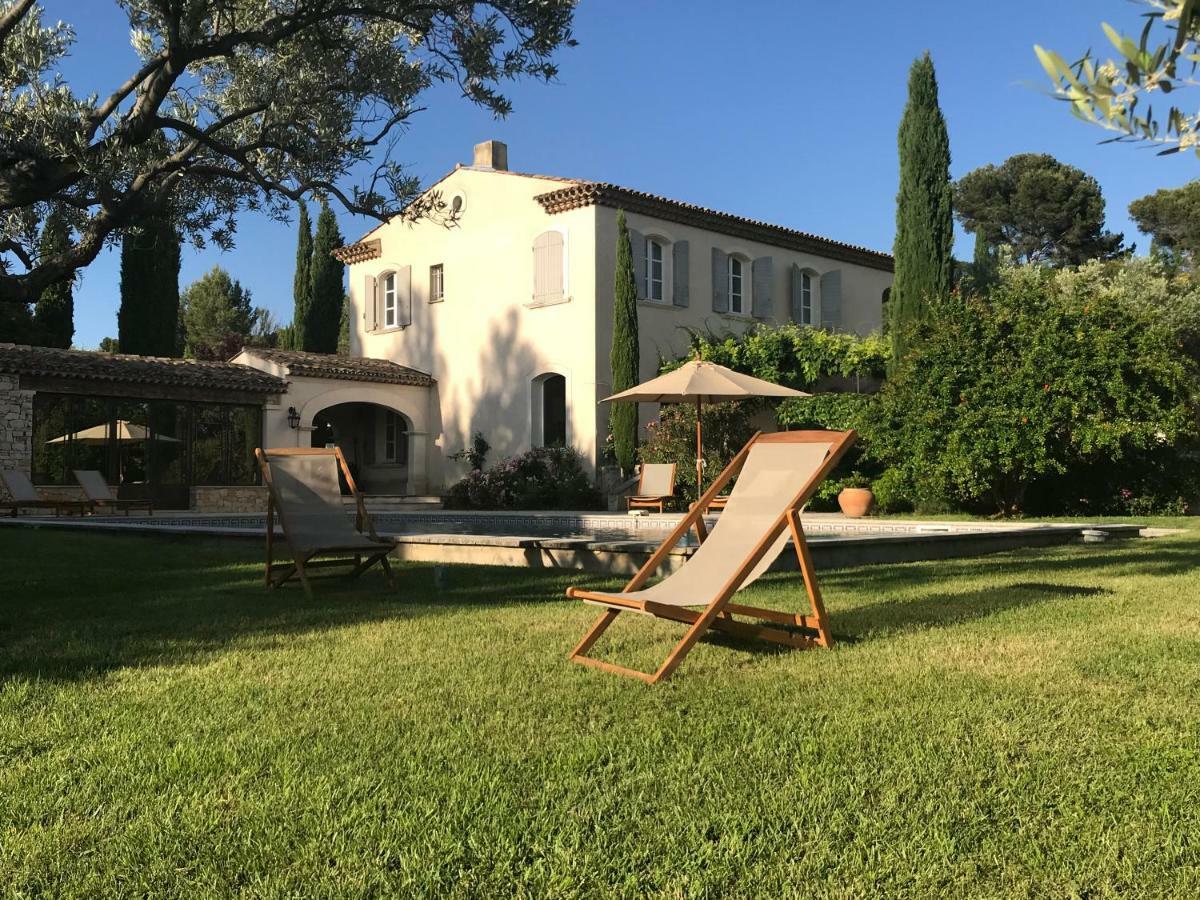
(641, 500)
(106, 500)
(719, 613)
(303, 562)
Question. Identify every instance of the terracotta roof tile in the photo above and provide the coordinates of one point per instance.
(347, 368)
(595, 193)
(19, 359)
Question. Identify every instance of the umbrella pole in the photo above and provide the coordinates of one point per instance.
(699, 455)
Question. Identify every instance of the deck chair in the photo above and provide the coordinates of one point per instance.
(100, 495)
(23, 495)
(303, 489)
(777, 476)
(656, 485)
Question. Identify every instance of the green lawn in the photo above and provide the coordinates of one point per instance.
(1023, 724)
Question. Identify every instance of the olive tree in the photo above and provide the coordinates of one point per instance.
(1119, 93)
(239, 104)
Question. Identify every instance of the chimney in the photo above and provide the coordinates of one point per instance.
(492, 155)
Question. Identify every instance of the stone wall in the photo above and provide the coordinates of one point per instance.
(16, 427)
(232, 499)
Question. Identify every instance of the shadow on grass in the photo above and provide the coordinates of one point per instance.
(947, 609)
(79, 607)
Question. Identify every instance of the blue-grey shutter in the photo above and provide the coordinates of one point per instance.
(761, 272)
(370, 303)
(680, 256)
(797, 286)
(404, 296)
(720, 280)
(831, 300)
(637, 241)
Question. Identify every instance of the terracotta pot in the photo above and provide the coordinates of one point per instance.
(856, 502)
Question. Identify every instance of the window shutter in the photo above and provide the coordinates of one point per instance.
(797, 298)
(404, 296)
(761, 272)
(680, 256)
(548, 266)
(831, 300)
(637, 242)
(370, 304)
(720, 280)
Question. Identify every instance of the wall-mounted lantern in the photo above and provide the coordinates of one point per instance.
(293, 417)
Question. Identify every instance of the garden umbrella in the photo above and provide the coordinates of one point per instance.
(700, 382)
(127, 432)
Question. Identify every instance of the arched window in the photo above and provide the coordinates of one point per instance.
(549, 409)
(737, 303)
(549, 267)
(656, 283)
(387, 290)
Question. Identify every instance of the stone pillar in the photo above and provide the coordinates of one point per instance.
(16, 427)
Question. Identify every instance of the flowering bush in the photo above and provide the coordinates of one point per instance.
(542, 478)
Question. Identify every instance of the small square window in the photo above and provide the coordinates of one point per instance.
(437, 284)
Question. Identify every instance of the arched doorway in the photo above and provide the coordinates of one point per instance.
(549, 410)
(375, 440)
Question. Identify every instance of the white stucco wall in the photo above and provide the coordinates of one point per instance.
(483, 343)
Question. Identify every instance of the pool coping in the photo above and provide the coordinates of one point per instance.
(873, 542)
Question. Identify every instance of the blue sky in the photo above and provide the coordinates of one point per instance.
(782, 111)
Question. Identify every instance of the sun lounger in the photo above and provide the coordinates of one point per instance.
(777, 476)
(304, 490)
(23, 495)
(100, 495)
(656, 486)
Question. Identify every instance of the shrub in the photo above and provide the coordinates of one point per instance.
(672, 438)
(542, 478)
(1022, 393)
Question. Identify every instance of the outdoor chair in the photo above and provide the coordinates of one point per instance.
(303, 489)
(23, 495)
(777, 474)
(656, 486)
(99, 494)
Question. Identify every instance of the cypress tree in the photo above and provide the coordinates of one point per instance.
(623, 357)
(924, 213)
(54, 312)
(324, 313)
(302, 281)
(985, 264)
(148, 320)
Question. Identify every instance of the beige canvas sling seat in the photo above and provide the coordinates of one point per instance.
(656, 487)
(777, 476)
(23, 495)
(304, 490)
(100, 495)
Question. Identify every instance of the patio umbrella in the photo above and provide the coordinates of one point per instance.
(702, 382)
(127, 432)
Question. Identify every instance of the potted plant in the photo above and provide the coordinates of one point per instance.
(856, 498)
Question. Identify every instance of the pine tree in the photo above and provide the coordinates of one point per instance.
(148, 320)
(301, 281)
(54, 312)
(217, 316)
(924, 213)
(324, 313)
(623, 357)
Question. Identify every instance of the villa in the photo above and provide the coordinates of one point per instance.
(494, 318)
